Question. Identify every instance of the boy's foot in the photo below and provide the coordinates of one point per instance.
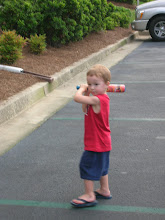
(101, 196)
(83, 203)
(85, 200)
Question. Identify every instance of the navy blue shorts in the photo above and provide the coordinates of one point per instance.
(94, 165)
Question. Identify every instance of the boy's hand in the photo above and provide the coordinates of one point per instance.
(84, 87)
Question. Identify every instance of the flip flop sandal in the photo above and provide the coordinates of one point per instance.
(84, 204)
(99, 196)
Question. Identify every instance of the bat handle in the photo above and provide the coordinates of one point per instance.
(77, 87)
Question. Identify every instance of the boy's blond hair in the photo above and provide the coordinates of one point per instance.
(101, 71)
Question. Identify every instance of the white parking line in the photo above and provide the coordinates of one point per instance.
(160, 137)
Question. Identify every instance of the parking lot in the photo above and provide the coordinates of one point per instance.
(40, 175)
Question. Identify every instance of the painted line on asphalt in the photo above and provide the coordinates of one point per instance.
(67, 118)
(108, 208)
(137, 82)
(139, 119)
(143, 62)
(160, 137)
(118, 119)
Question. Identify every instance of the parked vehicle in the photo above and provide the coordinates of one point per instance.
(151, 16)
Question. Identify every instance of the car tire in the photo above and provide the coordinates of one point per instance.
(157, 28)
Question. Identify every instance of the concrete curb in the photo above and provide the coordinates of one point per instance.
(25, 99)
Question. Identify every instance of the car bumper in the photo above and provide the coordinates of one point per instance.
(139, 25)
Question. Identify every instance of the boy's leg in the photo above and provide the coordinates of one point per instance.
(104, 186)
(89, 195)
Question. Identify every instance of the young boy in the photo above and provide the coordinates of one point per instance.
(94, 163)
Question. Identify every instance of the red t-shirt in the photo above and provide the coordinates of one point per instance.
(97, 136)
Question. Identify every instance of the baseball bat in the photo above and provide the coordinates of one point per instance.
(113, 88)
(21, 71)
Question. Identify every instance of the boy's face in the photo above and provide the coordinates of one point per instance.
(96, 85)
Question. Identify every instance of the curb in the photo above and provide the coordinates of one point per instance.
(25, 99)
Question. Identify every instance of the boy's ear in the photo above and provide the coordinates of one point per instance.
(108, 83)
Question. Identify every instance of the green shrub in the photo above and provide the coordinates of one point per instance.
(11, 46)
(111, 8)
(110, 23)
(132, 2)
(117, 17)
(37, 43)
(144, 1)
(19, 15)
(62, 21)
(123, 16)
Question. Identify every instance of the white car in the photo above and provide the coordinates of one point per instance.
(151, 16)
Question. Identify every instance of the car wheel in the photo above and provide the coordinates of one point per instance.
(157, 28)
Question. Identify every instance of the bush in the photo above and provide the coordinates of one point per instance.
(117, 17)
(122, 17)
(71, 20)
(37, 43)
(19, 15)
(110, 23)
(132, 2)
(62, 21)
(11, 46)
(144, 1)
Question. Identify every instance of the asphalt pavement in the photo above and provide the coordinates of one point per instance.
(40, 174)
